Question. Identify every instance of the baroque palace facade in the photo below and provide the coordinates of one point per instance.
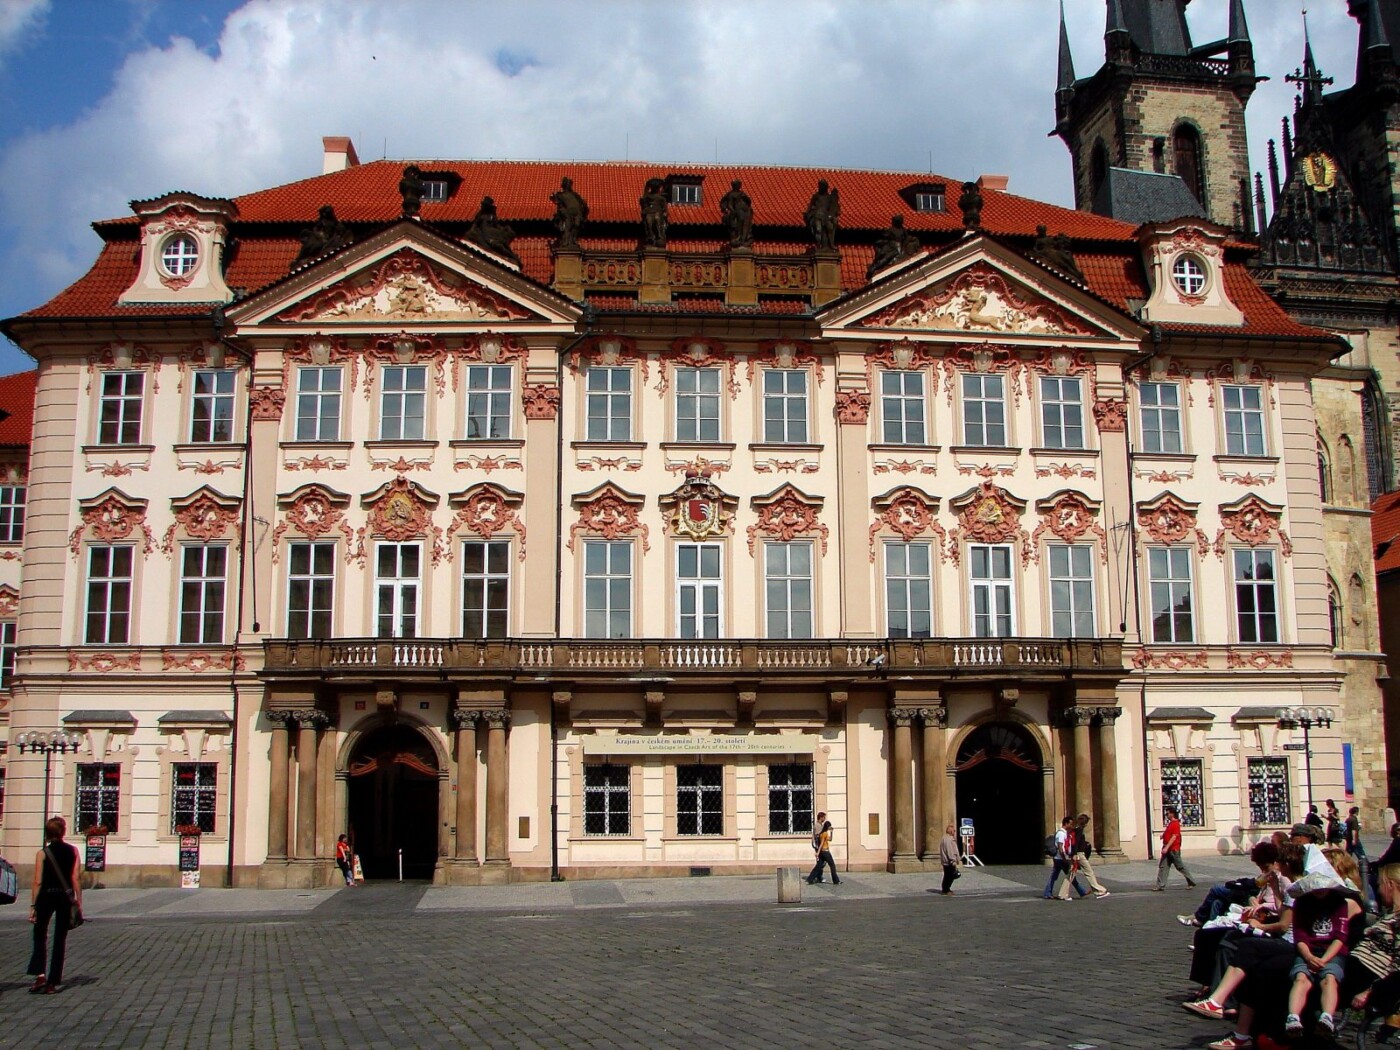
(600, 519)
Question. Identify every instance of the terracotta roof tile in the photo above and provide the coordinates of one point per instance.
(17, 398)
(1385, 532)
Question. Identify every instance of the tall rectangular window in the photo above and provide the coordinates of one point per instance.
(984, 410)
(1268, 791)
(488, 401)
(211, 409)
(194, 795)
(8, 634)
(99, 797)
(607, 799)
(310, 589)
(785, 406)
(787, 579)
(698, 590)
(203, 575)
(108, 617)
(697, 404)
(485, 589)
(1244, 420)
(1061, 412)
(908, 590)
(403, 400)
(2, 798)
(608, 405)
(1171, 594)
(607, 589)
(318, 403)
(992, 596)
(1256, 600)
(790, 798)
(119, 408)
(1160, 407)
(699, 800)
(396, 586)
(12, 504)
(1183, 790)
(902, 408)
(1072, 590)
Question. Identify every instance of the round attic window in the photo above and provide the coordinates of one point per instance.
(1189, 275)
(179, 255)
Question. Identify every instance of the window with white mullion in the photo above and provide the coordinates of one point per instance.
(607, 589)
(108, 614)
(119, 408)
(1244, 420)
(310, 589)
(697, 404)
(194, 795)
(211, 407)
(1172, 594)
(203, 579)
(902, 408)
(908, 590)
(485, 589)
(98, 801)
(607, 799)
(1061, 412)
(8, 640)
(984, 410)
(784, 406)
(12, 506)
(1072, 590)
(992, 595)
(318, 403)
(488, 401)
(608, 404)
(699, 800)
(1183, 790)
(1159, 407)
(1256, 596)
(790, 798)
(1268, 791)
(396, 585)
(403, 402)
(698, 594)
(788, 589)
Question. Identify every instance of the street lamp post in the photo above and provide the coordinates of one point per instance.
(46, 744)
(1307, 717)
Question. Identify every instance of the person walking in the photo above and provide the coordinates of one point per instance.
(1171, 851)
(821, 844)
(1062, 861)
(1083, 847)
(952, 859)
(344, 860)
(55, 892)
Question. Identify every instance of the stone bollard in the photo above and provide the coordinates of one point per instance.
(789, 885)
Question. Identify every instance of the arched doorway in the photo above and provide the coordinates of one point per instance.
(1000, 789)
(393, 775)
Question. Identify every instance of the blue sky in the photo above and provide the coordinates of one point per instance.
(105, 101)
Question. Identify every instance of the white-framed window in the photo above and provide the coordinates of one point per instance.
(984, 410)
(699, 800)
(488, 401)
(1244, 420)
(929, 200)
(203, 581)
(698, 590)
(1183, 789)
(211, 407)
(787, 580)
(194, 795)
(397, 582)
(319, 391)
(790, 798)
(179, 255)
(434, 191)
(310, 589)
(784, 406)
(1072, 590)
(9, 633)
(697, 404)
(119, 408)
(908, 590)
(1189, 274)
(403, 400)
(1172, 594)
(608, 405)
(1256, 595)
(902, 412)
(1061, 412)
(12, 503)
(108, 614)
(98, 797)
(2, 798)
(607, 799)
(1159, 406)
(485, 588)
(607, 589)
(992, 595)
(685, 193)
(1268, 791)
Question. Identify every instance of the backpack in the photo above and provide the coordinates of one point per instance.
(1051, 847)
(9, 882)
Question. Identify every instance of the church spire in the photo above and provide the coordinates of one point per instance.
(1310, 82)
(1065, 80)
(1376, 36)
(1239, 28)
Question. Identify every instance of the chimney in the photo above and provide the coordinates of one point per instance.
(339, 154)
(995, 182)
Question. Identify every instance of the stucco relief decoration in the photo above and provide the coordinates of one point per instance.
(675, 466)
(321, 350)
(488, 348)
(977, 300)
(112, 517)
(986, 470)
(852, 407)
(314, 463)
(405, 348)
(1242, 372)
(785, 515)
(699, 509)
(785, 353)
(179, 218)
(902, 356)
(267, 402)
(1111, 415)
(206, 515)
(610, 351)
(401, 465)
(1171, 660)
(786, 466)
(610, 513)
(905, 466)
(9, 602)
(487, 510)
(987, 514)
(1252, 522)
(407, 287)
(1192, 239)
(1066, 471)
(696, 352)
(1259, 660)
(398, 511)
(1168, 520)
(1069, 517)
(313, 512)
(983, 358)
(199, 662)
(908, 513)
(608, 463)
(488, 464)
(207, 354)
(540, 400)
(103, 663)
(120, 355)
(1164, 369)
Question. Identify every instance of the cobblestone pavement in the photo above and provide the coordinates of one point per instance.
(880, 961)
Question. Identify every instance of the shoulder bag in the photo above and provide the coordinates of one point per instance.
(75, 912)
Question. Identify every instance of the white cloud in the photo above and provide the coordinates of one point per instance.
(18, 17)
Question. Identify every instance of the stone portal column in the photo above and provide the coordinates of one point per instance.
(464, 724)
(903, 859)
(307, 724)
(278, 799)
(935, 721)
(1111, 840)
(497, 809)
(1079, 718)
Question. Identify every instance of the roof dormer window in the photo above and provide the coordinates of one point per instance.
(434, 190)
(180, 255)
(182, 244)
(1189, 274)
(685, 191)
(928, 200)
(925, 196)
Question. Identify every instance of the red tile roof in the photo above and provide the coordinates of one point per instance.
(17, 398)
(1385, 532)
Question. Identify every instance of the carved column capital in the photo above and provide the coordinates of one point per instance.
(496, 718)
(1077, 716)
(1108, 715)
(902, 716)
(279, 719)
(934, 717)
(464, 719)
(311, 718)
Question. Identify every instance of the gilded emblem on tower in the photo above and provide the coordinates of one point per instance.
(1319, 171)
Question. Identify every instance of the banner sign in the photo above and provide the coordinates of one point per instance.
(95, 857)
(712, 744)
(189, 852)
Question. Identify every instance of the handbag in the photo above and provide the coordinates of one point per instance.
(9, 882)
(75, 910)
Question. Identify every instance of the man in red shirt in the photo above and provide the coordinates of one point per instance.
(1171, 851)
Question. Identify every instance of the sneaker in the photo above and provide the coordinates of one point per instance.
(1159, 889)
(1293, 1026)
(1101, 896)
(1326, 1023)
(1187, 920)
(1232, 1042)
(1190, 885)
(1206, 1008)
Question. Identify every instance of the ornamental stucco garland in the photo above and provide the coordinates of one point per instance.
(978, 299)
(121, 355)
(1070, 518)
(202, 517)
(1253, 523)
(696, 352)
(110, 518)
(610, 514)
(610, 351)
(1168, 520)
(908, 513)
(487, 511)
(400, 511)
(785, 515)
(987, 514)
(313, 513)
(785, 353)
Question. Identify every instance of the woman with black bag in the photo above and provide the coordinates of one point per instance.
(58, 895)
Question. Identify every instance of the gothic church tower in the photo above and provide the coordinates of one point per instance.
(1160, 104)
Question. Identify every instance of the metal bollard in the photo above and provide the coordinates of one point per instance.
(789, 885)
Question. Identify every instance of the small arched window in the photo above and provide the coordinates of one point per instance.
(1324, 473)
(1334, 613)
(1186, 148)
